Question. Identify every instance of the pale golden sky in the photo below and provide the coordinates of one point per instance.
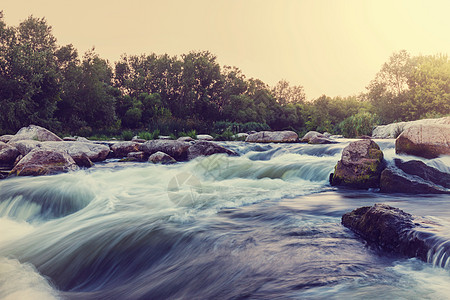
(329, 47)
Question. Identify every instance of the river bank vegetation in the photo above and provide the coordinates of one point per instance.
(50, 85)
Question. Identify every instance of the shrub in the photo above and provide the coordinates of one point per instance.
(360, 124)
(127, 135)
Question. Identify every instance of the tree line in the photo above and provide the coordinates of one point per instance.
(50, 85)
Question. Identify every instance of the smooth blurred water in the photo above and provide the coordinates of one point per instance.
(263, 225)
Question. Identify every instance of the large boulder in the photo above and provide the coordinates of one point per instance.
(393, 130)
(161, 158)
(414, 177)
(311, 135)
(390, 229)
(95, 152)
(36, 133)
(286, 136)
(178, 150)
(8, 154)
(205, 148)
(44, 162)
(137, 156)
(360, 166)
(427, 141)
(121, 149)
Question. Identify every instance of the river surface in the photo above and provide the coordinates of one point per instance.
(264, 225)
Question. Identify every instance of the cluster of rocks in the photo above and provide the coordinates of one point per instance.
(287, 136)
(362, 164)
(34, 150)
(385, 227)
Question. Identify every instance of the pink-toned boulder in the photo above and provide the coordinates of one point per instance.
(36, 133)
(44, 162)
(427, 141)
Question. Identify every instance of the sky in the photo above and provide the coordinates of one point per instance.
(331, 47)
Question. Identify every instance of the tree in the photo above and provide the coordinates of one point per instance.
(429, 83)
(284, 93)
(388, 91)
(29, 81)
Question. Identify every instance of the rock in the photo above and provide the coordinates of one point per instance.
(321, 140)
(360, 166)
(69, 139)
(327, 134)
(390, 229)
(95, 152)
(6, 138)
(395, 129)
(83, 160)
(185, 139)
(8, 154)
(121, 149)
(83, 139)
(178, 150)
(138, 140)
(36, 133)
(44, 162)
(310, 135)
(429, 141)
(204, 137)
(161, 158)
(18, 158)
(242, 136)
(137, 156)
(25, 146)
(205, 148)
(165, 137)
(337, 136)
(414, 177)
(272, 137)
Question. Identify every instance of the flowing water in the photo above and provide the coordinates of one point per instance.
(263, 225)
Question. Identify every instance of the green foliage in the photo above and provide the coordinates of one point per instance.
(227, 135)
(49, 85)
(357, 125)
(190, 133)
(127, 135)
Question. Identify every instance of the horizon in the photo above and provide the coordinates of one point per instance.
(347, 41)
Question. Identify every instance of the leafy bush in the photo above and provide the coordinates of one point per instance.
(127, 135)
(227, 135)
(360, 124)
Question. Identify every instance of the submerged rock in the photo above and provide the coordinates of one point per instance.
(205, 148)
(427, 141)
(390, 229)
(178, 150)
(321, 140)
(360, 166)
(286, 136)
(414, 177)
(36, 133)
(44, 162)
(161, 158)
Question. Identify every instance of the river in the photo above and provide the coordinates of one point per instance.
(264, 225)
